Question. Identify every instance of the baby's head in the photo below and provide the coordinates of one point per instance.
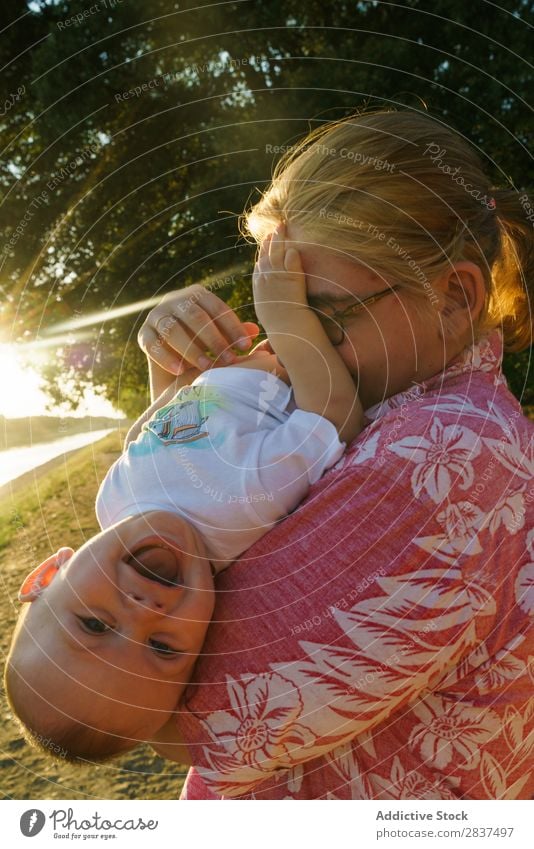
(107, 641)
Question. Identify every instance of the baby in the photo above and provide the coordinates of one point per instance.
(107, 642)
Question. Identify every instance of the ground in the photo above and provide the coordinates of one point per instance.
(45, 509)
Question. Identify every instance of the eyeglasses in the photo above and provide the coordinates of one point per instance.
(334, 322)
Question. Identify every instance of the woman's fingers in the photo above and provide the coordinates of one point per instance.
(202, 327)
(233, 331)
(252, 330)
(183, 328)
(156, 349)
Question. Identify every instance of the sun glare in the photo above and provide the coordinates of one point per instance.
(21, 392)
(20, 386)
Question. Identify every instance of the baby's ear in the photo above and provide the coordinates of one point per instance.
(42, 575)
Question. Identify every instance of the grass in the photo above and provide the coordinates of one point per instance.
(68, 488)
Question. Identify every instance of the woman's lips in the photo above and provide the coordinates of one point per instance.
(157, 563)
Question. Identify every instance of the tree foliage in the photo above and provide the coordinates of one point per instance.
(111, 196)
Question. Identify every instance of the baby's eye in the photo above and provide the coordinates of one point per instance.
(162, 649)
(94, 626)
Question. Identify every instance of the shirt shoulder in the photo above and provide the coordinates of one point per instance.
(463, 415)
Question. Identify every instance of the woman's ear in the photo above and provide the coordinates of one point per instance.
(464, 294)
(43, 575)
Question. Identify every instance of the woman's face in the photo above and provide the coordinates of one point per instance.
(389, 344)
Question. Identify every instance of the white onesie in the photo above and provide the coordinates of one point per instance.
(230, 453)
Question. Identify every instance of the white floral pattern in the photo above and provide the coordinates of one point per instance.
(510, 512)
(524, 584)
(366, 450)
(463, 521)
(447, 453)
(257, 723)
(401, 784)
(344, 762)
(450, 732)
(413, 685)
(498, 671)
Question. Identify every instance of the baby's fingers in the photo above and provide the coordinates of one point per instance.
(292, 262)
(277, 247)
(263, 263)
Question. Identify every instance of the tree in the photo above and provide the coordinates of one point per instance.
(144, 129)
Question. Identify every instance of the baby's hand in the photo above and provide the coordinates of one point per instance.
(279, 283)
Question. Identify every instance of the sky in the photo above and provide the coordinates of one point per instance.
(21, 394)
(20, 384)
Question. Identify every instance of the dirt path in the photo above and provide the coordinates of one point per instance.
(51, 507)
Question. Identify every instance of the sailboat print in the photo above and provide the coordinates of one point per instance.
(179, 423)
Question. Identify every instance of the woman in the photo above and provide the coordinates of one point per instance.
(375, 644)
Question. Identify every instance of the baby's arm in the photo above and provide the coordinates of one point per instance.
(321, 382)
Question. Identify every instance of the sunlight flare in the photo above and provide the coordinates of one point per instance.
(21, 391)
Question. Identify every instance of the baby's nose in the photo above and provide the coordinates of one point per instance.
(156, 599)
(144, 600)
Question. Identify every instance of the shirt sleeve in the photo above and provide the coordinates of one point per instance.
(333, 621)
(284, 462)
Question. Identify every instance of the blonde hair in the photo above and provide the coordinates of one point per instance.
(407, 196)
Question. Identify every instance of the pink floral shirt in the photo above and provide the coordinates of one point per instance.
(377, 643)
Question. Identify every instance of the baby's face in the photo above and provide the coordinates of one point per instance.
(118, 629)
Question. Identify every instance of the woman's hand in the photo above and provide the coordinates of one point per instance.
(190, 324)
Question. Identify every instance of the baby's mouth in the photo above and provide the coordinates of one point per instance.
(157, 563)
